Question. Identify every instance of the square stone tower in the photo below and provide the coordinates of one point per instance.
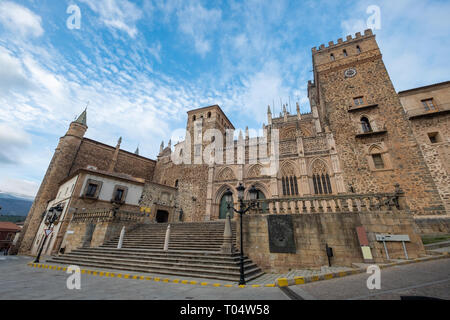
(356, 100)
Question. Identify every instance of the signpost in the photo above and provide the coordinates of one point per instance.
(393, 237)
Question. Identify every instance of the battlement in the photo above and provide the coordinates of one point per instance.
(349, 39)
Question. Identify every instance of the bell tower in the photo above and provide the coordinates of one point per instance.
(356, 99)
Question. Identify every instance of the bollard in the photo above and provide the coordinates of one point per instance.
(166, 240)
(122, 235)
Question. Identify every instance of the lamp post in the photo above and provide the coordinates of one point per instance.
(242, 210)
(51, 218)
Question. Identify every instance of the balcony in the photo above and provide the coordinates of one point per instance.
(363, 107)
(440, 109)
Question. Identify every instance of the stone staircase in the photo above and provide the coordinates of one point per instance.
(194, 251)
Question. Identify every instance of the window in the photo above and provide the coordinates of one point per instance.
(428, 105)
(91, 190)
(176, 183)
(358, 101)
(194, 118)
(290, 186)
(358, 49)
(434, 137)
(322, 184)
(209, 114)
(378, 161)
(119, 195)
(332, 57)
(345, 53)
(365, 124)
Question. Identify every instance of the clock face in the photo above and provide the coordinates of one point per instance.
(350, 73)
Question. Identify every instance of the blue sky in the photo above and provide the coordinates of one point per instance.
(142, 64)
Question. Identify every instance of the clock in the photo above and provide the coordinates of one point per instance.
(349, 73)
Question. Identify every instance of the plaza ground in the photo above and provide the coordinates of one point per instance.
(19, 281)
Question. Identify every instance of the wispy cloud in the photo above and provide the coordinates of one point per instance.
(20, 19)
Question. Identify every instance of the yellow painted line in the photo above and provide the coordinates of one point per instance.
(119, 275)
(184, 281)
(271, 285)
(83, 271)
(157, 279)
(342, 274)
(328, 276)
(204, 283)
(126, 276)
(193, 282)
(141, 278)
(315, 278)
(166, 280)
(256, 285)
(112, 275)
(148, 278)
(228, 285)
(176, 280)
(106, 274)
(94, 273)
(216, 285)
(282, 282)
(101, 274)
(135, 277)
(299, 280)
(59, 268)
(242, 286)
(64, 269)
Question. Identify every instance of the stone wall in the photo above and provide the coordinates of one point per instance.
(101, 231)
(313, 231)
(428, 225)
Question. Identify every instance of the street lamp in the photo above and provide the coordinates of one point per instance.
(242, 210)
(53, 215)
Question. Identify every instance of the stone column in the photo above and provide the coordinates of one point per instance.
(227, 246)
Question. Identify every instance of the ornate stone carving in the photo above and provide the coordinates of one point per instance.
(314, 144)
(287, 170)
(254, 171)
(288, 134)
(319, 167)
(226, 174)
(288, 147)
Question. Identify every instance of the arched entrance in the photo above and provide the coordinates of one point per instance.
(223, 208)
(162, 216)
(262, 206)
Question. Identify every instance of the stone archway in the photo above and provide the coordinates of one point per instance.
(162, 216)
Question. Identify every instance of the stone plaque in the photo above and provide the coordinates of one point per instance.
(281, 234)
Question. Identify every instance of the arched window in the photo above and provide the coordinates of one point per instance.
(358, 49)
(321, 178)
(345, 53)
(209, 114)
(377, 158)
(290, 186)
(365, 124)
(332, 57)
(289, 180)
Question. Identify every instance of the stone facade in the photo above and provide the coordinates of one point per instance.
(356, 139)
(428, 110)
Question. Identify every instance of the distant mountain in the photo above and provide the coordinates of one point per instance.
(15, 204)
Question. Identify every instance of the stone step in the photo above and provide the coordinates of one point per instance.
(180, 264)
(160, 251)
(187, 248)
(208, 273)
(162, 257)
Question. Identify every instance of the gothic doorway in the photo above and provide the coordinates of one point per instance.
(162, 216)
(223, 209)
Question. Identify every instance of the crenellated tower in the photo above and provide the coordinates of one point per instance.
(355, 99)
